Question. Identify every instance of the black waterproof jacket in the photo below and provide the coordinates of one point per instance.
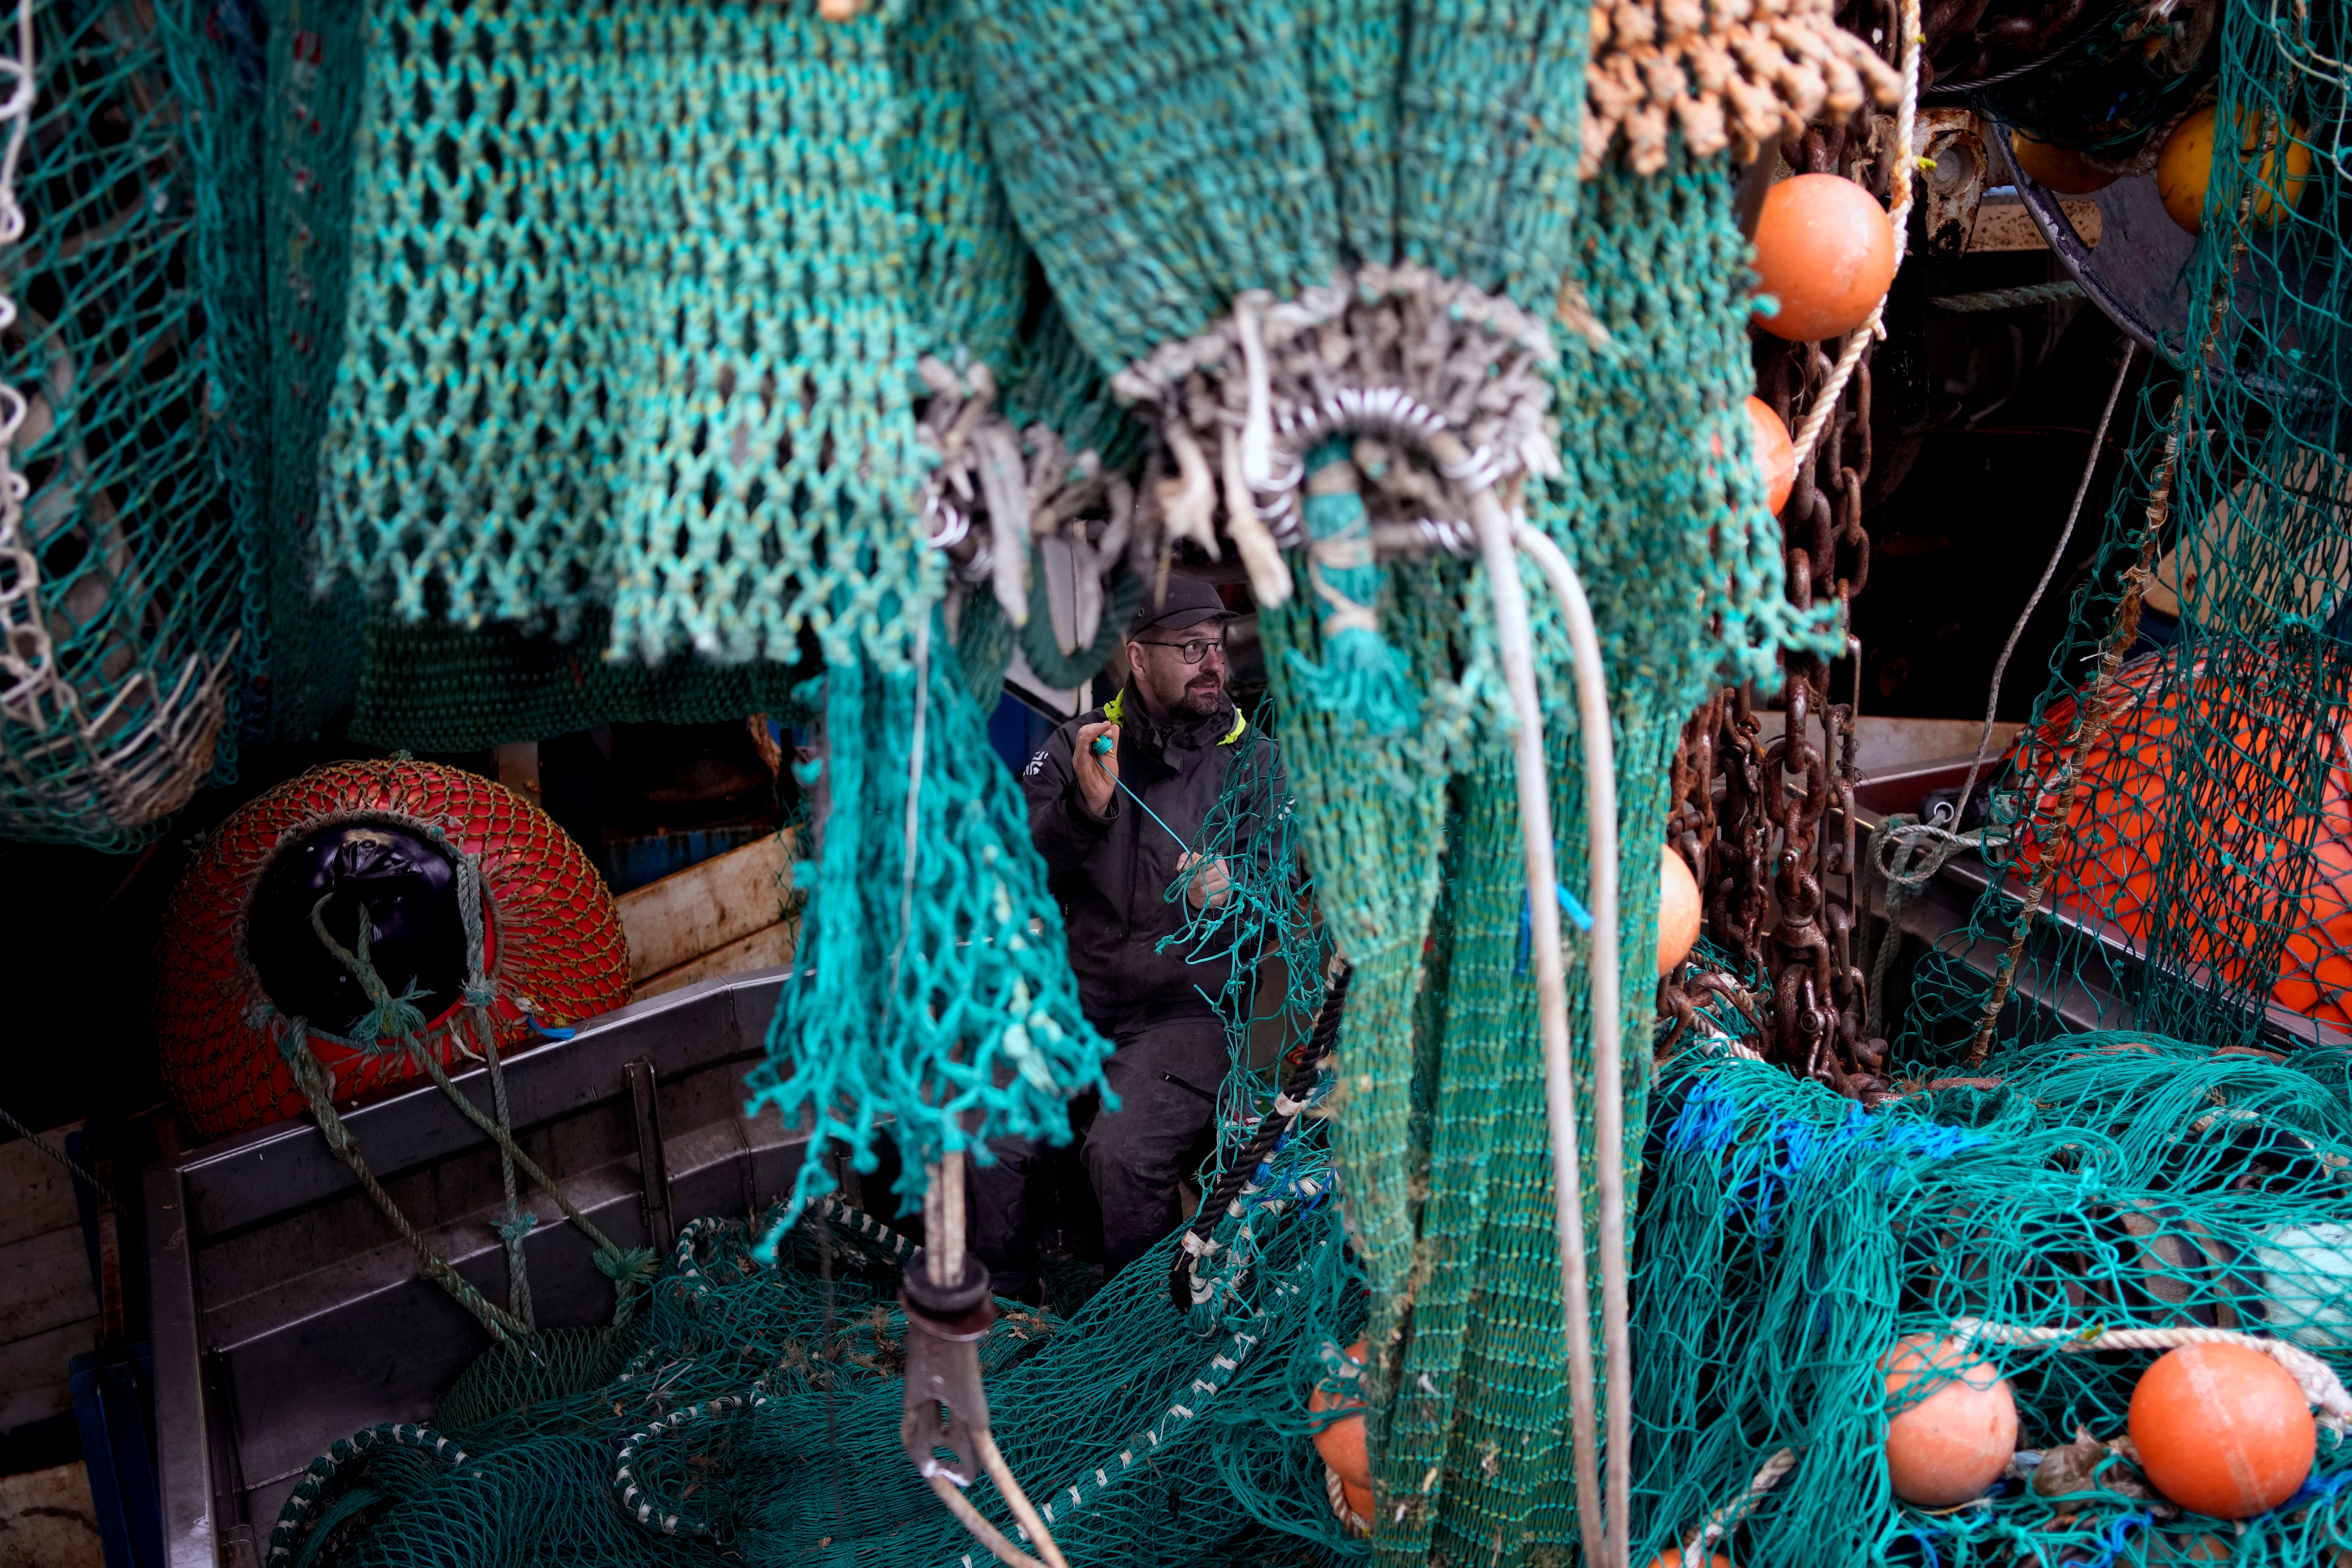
(1114, 874)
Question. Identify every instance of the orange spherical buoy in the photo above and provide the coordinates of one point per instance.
(2184, 170)
(2061, 169)
(1678, 912)
(1948, 1447)
(1825, 250)
(1342, 1444)
(1358, 1499)
(1776, 455)
(2223, 1430)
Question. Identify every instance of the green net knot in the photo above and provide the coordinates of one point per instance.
(392, 1017)
(1360, 673)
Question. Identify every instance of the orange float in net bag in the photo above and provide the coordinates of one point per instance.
(2207, 843)
(465, 908)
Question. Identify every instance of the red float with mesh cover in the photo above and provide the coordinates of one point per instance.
(553, 950)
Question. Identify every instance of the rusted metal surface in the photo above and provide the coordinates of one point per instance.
(1768, 825)
(1950, 191)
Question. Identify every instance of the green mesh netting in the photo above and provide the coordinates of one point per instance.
(750, 1414)
(931, 986)
(1161, 160)
(2096, 1182)
(125, 624)
(425, 670)
(2181, 795)
(627, 325)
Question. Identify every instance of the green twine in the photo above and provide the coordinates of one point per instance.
(392, 1017)
(1360, 674)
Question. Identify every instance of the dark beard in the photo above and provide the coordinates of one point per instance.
(1195, 705)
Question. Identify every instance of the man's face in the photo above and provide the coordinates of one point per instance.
(1170, 685)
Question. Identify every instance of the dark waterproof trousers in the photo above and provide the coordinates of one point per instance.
(1165, 1075)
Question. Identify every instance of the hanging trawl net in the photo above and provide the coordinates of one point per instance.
(643, 477)
(2176, 806)
(124, 622)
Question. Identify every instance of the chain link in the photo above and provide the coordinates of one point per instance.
(1770, 854)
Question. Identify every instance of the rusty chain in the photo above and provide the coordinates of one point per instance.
(1769, 855)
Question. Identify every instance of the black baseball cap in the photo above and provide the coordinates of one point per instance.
(1188, 603)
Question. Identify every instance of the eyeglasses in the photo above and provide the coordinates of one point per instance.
(1192, 651)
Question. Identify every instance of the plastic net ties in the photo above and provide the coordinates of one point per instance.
(1476, 371)
(1058, 494)
(2317, 1380)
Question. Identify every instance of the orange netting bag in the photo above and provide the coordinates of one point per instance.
(2244, 870)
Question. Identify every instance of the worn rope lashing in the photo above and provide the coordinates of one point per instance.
(1360, 673)
(1310, 1062)
(396, 1017)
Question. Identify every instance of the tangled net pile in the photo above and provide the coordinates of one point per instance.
(2094, 1181)
(751, 1412)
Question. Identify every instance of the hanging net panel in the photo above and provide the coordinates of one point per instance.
(124, 621)
(644, 477)
(2174, 809)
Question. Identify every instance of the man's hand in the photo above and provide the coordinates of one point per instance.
(1096, 771)
(1210, 887)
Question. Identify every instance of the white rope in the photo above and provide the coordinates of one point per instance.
(2317, 1380)
(1517, 642)
(128, 773)
(1608, 1069)
(1723, 1521)
(1899, 214)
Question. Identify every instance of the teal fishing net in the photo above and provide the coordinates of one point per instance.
(627, 325)
(365, 629)
(749, 468)
(930, 986)
(125, 620)
(751, 1413)
(2093, 1182)
(2179, 801)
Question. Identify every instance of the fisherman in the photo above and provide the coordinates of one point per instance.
(1108, 819)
